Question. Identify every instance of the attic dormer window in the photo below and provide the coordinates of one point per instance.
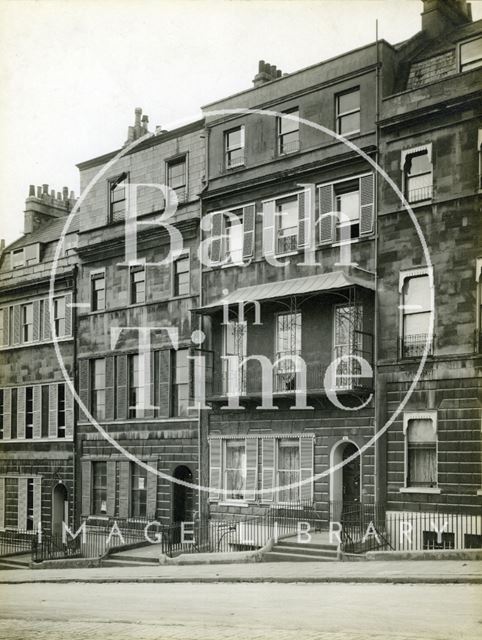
(118, 198)
(471, 54)
(18, 258)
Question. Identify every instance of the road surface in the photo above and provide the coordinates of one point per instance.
(266, 611)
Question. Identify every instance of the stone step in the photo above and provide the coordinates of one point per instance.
(12, 564)
(134, 558)
(302, 551)
(308, 545)
(274, 556)
(124, 562)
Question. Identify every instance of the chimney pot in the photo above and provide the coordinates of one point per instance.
(261, 64)
(46, 189)
(31, 190)
(65, 193)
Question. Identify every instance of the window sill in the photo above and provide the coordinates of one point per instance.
(427, 490)
(288, 253)
(420, 203)
(233, 503)
(27, 440)
(479, 492)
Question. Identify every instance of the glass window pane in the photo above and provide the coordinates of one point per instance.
(349, 123)
(349, 204)
(417, 293)
(421, 430)
(471, 54)
(348, 101)
(286, 125)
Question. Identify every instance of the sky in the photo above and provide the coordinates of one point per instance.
(73, 71)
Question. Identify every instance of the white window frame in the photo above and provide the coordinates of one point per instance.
(278, 483)
(402, 276)
(97, 275)
(185, 255)
(419, 415)
(225, 442)
(182, 157)
(277, 216)
(227, 150)
(459, 51)
(281, 135)
(406, 154)
(339, 115)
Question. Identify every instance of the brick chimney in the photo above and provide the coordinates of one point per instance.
(140, 128)
(441, 16)
(266, 73)
(42, 207)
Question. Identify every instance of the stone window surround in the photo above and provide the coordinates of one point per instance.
(418, 415)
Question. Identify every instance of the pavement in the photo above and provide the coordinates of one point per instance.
(397, 572)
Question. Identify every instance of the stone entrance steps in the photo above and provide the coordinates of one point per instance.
(142, 556)
(290, 550)
(20, 561)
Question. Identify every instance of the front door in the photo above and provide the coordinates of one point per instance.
(351, 477)
(60, 509)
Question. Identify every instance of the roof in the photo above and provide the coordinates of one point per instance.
(447, 41)
(48, 232)
(308, 284)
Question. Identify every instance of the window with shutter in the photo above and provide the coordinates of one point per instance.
(53, 410)
(251, 468)
(326, 220)
(2, 503)
(214, 468)
(86, 470)
(37, 502)
(4, 327)
(7, 413)
(268, 228)
(21, 395)
(111, 487)
(124, 485)
(69, 412)
(306, 469)
(268, 469)
(249, 229)
(152, 490)
(215, 246)
(121, 391)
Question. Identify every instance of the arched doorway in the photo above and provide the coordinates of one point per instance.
(345, 489)
(60, 508)
(182, 497)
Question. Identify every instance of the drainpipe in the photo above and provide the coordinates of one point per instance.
(76, 407)
(376, 479)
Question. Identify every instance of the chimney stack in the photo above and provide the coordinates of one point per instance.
(442, 16)
(140, 128)
(42, 207)
(266, 73)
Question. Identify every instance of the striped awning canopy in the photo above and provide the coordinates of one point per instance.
(296, 286)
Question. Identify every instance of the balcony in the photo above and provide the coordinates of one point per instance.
(287, 378)
(414, 346)
(289, 146)
(287, 244)
(420, 194)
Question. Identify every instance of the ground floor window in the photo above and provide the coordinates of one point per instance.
(138, 491)
(99, 488)
(261, 469)
(421, 452)
(235, 469)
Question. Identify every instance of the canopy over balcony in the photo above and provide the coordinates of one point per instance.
(296, 286)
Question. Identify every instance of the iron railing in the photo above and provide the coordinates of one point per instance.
(420, 194)
(287, 244)
(16, 541)
(367, 527)
(414, 346)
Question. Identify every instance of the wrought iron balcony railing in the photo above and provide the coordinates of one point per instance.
(414, 346)
(420, 194)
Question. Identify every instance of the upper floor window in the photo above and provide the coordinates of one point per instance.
(478, 323)
(416, 311)
(27, 322)
(136, 401)
(30, 504)
(233, 237)
(348, 112)
(287, 225)
(118, 198)
(98, 292)
(234, 147)
(471, 54)
(347, 202)
(421, 451)
(177, 177)
(98, 388)
(181, 382)
(29, 413)
(18, 258)
(1, 413)
(59, 316)
(3, 328)
(234, 344)
(99, 488)
(348, 342)
(289, 132)
(61, 410)
(417, 170)
(138, 284)
(288, 348)
(181, 277)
